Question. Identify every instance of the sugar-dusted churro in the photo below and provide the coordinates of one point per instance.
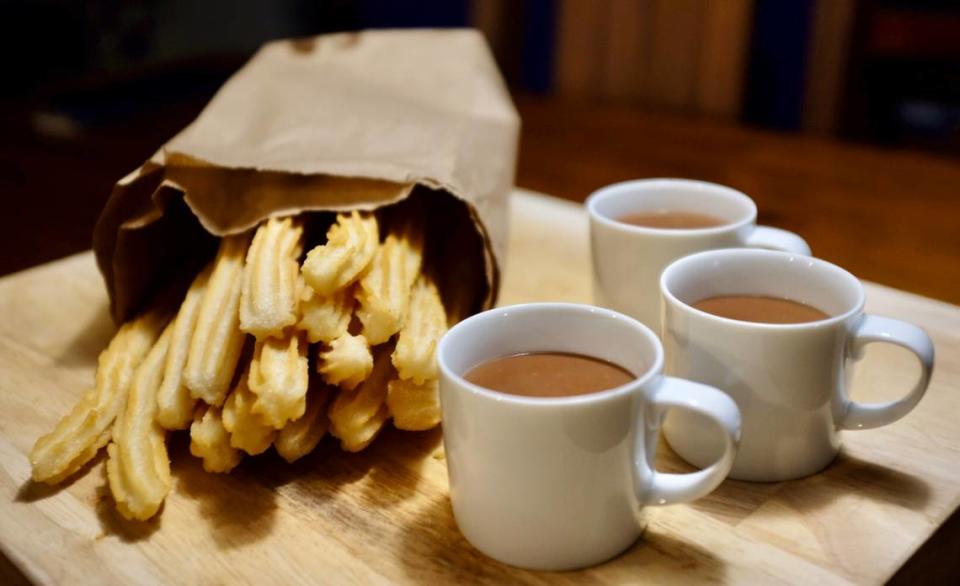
(268, 299)
(325, 319)
(300, 436)
(279, 376)
(174, 402)
(384, 291)
(347, 362)
(248, 432)
(210, 441)
(357, 416)
(414, 407)
(138, 468)
(217, 339)
(351, 243)
(80, 434)
(424, 325)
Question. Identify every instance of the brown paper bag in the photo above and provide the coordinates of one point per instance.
(343, 121)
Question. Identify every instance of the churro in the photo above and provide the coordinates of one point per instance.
(351, 244)
(347, 362)
(174, 402)
(138, 468)
(268, 298)
(279, 375)
(414, 407)
(384, 291)
(80, 434)
(357, 416)
(425, 323)
(210, 441)
(217, 339)
(247, 430)
(300, 436)
(325, 319)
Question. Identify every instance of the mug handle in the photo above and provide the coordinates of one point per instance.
(777, 239)
(874, 328)
(664, 488)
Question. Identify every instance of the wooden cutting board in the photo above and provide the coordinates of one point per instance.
(383, 515)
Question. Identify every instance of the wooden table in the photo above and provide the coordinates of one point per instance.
(383, 515)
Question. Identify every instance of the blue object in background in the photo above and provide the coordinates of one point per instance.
(537, 51)
(778, 62)
(417, 13)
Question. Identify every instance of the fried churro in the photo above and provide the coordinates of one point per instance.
(300, 436)
(414, 407)
(384, 291)
(80, 434)
(325, 319)
(248, 432)
(174, 402)
(269, 296)
(217, 339)
(351, 244)
(210, 441)
(347, 362)
(279, 376)
(425, 323)
(138, 468)
(357, 416)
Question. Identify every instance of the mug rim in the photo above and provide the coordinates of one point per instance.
(652, 371)
(619, 188)
(680, 263)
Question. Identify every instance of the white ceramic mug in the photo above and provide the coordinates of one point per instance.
(628, 259)
(560, 483)
(789, 380)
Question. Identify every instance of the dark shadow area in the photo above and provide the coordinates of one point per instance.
(398, 459)
(10, 574)
(237, 509)
(434, 551)
(321, 484)
(660, 549)
(318, 476)
(936, 562)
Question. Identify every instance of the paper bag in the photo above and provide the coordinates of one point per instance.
(342, 121)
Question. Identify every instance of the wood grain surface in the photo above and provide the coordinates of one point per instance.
(384, 516)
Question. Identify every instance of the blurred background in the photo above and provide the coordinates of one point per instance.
(799, 103)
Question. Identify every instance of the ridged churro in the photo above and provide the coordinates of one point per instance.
(217, 339)
(269, 296)
(138, 467)
(279, 376)
(174, 403)
(210, 441)
(384, 291)
(325, 319)
(80, 434)
(248, 432)
(351, 244)
(424, 325)
(357, 416)
(414, 407)
(347, 362)
(300, 436)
